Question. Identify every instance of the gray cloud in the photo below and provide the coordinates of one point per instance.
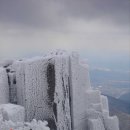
(116, 10)
(49, 13)
(31, 26)
(31, 13)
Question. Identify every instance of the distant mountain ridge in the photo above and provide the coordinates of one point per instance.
(119, 104)
(122, 110)
(125, 97)
(109, 78)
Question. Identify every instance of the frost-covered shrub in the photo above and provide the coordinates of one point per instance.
(34, 125)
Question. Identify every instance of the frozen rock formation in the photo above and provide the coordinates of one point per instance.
(43, 89)
(57, 88)
(95, 124)
(80, 83)
(4, 87)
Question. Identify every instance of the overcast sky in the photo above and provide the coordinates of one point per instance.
(31, 27)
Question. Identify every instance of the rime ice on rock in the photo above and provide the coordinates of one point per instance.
(12, 112)
(33, 125)
(111, 123)
(43, 89)
(80, 83)
(12, 87)
(96, 124)
(57, 88)
(4, 88)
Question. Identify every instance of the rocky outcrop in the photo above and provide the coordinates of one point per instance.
(4, 86)
(57, 88)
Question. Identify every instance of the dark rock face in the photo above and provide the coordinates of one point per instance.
(51, 91)
(4, 86)
(12, 85)
(12, 88)
(51, 82)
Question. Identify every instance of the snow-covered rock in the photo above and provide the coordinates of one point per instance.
(4, 87)
(12, 87)
(80, 83)
(92, 97)
(56, 88)
(12, 112)
(12, 118)
(43, 89)
(111, 123)
(96, 124)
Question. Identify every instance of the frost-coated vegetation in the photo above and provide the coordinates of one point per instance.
(34, 125)
(12, 118)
